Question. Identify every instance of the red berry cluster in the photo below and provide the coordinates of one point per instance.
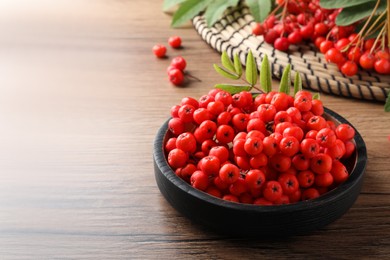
(271, 149)
(306, 20)
(176, 69)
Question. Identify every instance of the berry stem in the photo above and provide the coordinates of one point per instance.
(193, 77)
(382, 32)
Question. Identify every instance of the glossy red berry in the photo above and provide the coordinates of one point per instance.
(159, 50)
(271, 36)
(281, 44)
(258, 29)
(179, 63)
(349, 68)
(367, 61)
(334, 55)
(176, 76)
(382, 66)
(174, 41)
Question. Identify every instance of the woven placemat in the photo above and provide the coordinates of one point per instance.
(233, 34)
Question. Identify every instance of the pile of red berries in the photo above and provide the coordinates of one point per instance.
(305, 20)
(265, 150)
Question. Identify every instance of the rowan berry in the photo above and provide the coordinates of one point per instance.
(179, 63)
(272, 191)
(174, 41)
(159, 50)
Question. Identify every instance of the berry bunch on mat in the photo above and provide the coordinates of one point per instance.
(250, 144)
(351, 34)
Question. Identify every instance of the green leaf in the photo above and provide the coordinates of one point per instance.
(259, 9)
(216, 9)
(251, 69)
(387, 105)
(334, 4)
(226, 62)
(237, 65)
(297, 83)
(188, 10)
(171, 3)
(225, 73)
(316, 96)
(285, 80)
(233, 88)
(265, 75)
(350, 15)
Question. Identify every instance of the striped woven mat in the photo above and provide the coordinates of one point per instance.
(233, 34)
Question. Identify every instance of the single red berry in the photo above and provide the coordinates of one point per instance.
(174, 41)
(305, 178)
(326, 45)
(229, 173)
(289, 183)
(339, 172)
(320, 29)
(382, 66)
(307, 31)
(253, 146)
(300, 162)
(186, 142)
(221, 152)
(350, 68)
(334, 55)
(341, 44)
(309, 148)
(159, 50)
(345, 132)
(321, 163)
(326, 137)
(349, 149)
(258, 29)
(210, 165)
(280, 162)
(281, 44)
(272, 191)
(225, 134)
(271, 36)
(318, 41)
(176, 76)
(176, 126)
(310, 194)
(367, 61)
(295, 37)
(289, 145)
(179, 63)
(238, 187)
(199, 180)
(323, 180)
(177, 158)
(383, 54)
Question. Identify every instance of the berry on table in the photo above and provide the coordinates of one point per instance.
(176, 76)
(159, 50)
(174, 41)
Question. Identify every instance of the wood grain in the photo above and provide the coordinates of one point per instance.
(81, 99)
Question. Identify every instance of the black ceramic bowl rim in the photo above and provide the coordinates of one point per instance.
(342, 190)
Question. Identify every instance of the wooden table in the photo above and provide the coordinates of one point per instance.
(81, 99)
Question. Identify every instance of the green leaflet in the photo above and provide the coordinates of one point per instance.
(225, 73)
(171, 3)
(265, 75)
(251, 69)
(237, 65)
(285, 81)
(316, 96)
(297, 83)
(352, 14)
(259, 8)
(233, 88)
(188, 10)
(334, 4)
(216, 9)
(226, 62)
(387, 105)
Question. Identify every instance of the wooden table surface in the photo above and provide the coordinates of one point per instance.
(81, 99)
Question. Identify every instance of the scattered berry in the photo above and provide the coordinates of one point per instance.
(174, 41)
(159, 50)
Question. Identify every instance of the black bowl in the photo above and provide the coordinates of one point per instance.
(253, 220)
